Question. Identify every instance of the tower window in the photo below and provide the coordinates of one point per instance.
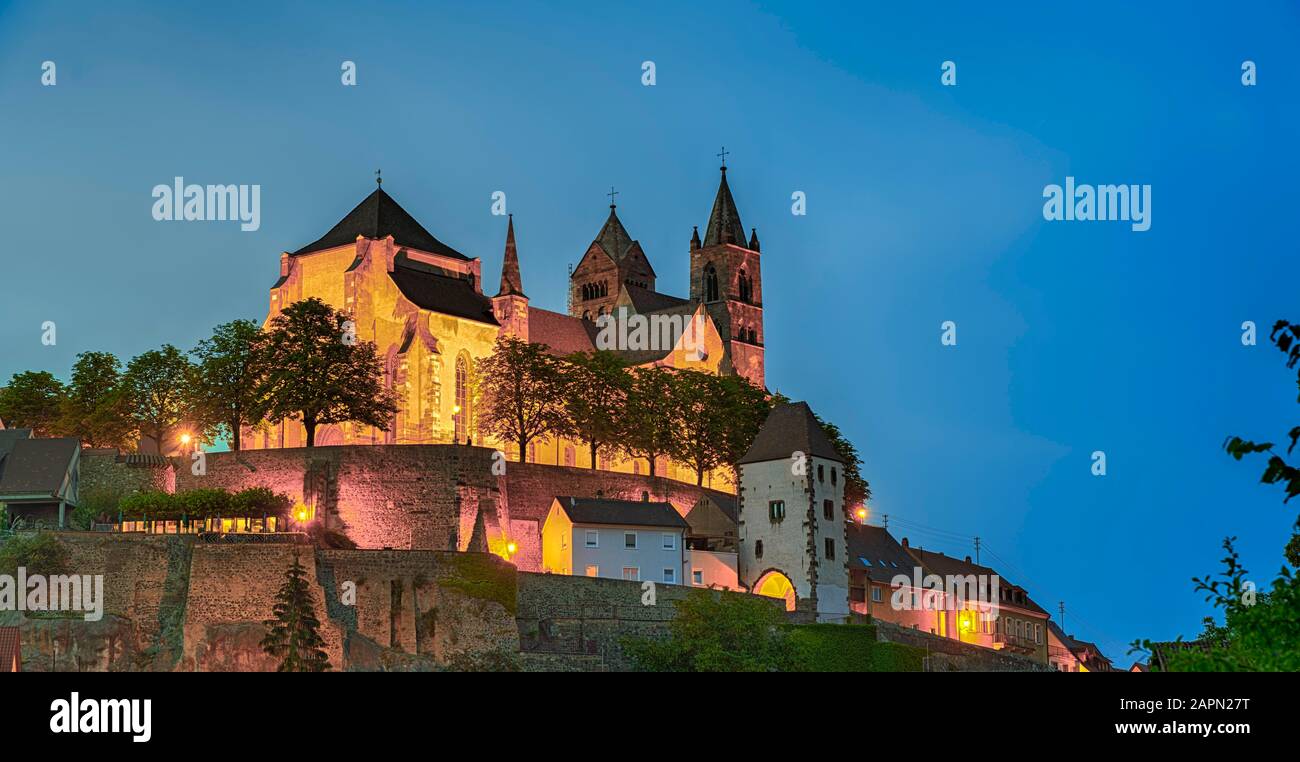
(746, 288)
(828, 509)
(758, 549)
(821, 473)
(830, 549)
(776, 510)
(833, 475)
(710, 283)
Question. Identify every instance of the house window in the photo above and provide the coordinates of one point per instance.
(632, 573)
(710, 283)
(828, 509)
(758, 549)
(593, 538)
(629, 540)
(776, 510)
(1038, 633)
(593, 571)
(670, 576)
(876, 595)
(670, 541)
(697, 577)
(830, 549)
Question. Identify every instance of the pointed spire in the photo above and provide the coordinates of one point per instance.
(695, 237)
(753, 239)
(511, 281)
(724, 221)
(613, 237)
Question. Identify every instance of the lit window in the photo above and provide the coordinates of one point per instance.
(593, 571)
(593, 538)
(629, 540)
(631, 573)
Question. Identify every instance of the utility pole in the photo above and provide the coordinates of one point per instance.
(884, 520)
(1061, 606)
(977, 550)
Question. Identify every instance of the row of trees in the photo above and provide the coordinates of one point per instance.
(700, 419)
(307, 365)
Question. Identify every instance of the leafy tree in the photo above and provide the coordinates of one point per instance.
(157, 385)
(745, 408)
(32, 401)
(718, 416)
(1261, 629)
(523, 391)
(714, 632)
(318, 372)
(650, 425)
(293, 636)
(95, 406)
(596, 391)
(227, 378)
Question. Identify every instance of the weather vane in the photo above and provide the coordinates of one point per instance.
(379, 178)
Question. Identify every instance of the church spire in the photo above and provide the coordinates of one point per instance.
(511, 281)
(724, 221)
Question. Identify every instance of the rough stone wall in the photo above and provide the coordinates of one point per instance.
(103, 471)
(382, 496)
(948, 655)
(576, 622)
(135, 572)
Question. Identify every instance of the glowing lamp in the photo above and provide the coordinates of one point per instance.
(862, 514)
(455, 409)
(511, 548)
(302, 514)
(185, 439)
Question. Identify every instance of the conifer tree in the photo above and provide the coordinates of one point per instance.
(293, 636)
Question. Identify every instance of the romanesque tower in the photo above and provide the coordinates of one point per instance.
(725, 276)
(793, 542)
(510, 305)
(612, 260)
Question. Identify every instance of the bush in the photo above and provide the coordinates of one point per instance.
(205, 503)
(37, 553)
(717, 632)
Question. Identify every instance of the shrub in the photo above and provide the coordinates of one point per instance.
(38, 553)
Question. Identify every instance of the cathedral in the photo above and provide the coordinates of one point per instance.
(422, 304)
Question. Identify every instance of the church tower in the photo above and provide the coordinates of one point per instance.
(725, 276)
(510, 305)
(793, 539)
(613, 261)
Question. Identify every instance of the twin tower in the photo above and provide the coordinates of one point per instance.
(615, 273)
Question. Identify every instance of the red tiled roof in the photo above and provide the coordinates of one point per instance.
(10, 649)
(564, 334)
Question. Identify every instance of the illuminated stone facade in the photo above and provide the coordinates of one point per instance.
(422, 304)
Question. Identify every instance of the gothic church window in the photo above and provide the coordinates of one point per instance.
(461, 412)
(710, 284)
(744, 287)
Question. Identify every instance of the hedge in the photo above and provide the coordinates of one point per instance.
(205, 503)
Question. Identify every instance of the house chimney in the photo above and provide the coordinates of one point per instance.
(967, 559)
(904, 542)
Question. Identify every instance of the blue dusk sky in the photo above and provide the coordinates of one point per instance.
(924, 205)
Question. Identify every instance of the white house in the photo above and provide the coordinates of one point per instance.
(617, 539)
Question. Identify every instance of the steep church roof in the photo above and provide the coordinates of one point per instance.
(645, 300)
(432, 289)
(511, 281)
(724, 221)
(564, 334)
(376, 217)
(790, 428)
(614, 238)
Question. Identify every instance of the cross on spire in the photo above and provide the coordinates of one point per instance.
(379, 178)
(612, 193)
(723, 155)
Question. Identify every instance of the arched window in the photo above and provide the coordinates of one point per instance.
(710, 284)
(586, 314)
(604, 288)
(460, 412)
(753, 336)
(742, 285)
